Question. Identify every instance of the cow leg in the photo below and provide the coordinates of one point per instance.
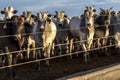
(1, 58)
(14, 62)
(98, 46)
(67, 46)
(60, 49)
(71, 47)
(38, 56)
(48, 52)
(10, 72)
(28, 51)
(86, 54)
(48, 55)
(87, 57)
(34, 50)
(53, 44)
(109, 48)
(24, 55)
(106, 48)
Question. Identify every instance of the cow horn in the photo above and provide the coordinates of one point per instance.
(111, 8)
(56, 12)
(101, 9)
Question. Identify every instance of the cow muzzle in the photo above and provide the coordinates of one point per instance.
(18, 37)
(118, 47)
(49, 20)
(88, 24)
(60, 25)
(107, 22)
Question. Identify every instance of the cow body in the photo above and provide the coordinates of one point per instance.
(102, 31)
(8, 44)
(62, 36)
(84, 29)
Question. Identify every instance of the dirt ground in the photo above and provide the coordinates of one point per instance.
(61, 68)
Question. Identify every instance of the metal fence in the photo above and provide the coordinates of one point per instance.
(63, 55)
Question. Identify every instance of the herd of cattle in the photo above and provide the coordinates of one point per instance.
(46, 34)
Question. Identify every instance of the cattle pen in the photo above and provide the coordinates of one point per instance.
(56, 62)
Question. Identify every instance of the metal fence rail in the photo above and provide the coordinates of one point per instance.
(13, 52)
(53, 30)
(63, 55)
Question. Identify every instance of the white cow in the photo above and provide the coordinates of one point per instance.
(48, 36)
(45, 35)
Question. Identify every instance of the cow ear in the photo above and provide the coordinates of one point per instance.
(65, 16)
(101, 9)
(2, 12)
(111, 8)
(47, 12)
(55, 16)
(49, 15)
(56, 12)
(94, 10)
(101, 13)
(81, 16)
(33, 16)
(15, 11)
(86, 10)
(21, 15)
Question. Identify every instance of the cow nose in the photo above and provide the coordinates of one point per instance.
(18, 36)
(88, 24)
(118, 48)
(49, 20)
(107, 22)
(60, 25)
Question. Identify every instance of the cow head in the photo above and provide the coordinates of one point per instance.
(60, 17)
(89, 16)
(106, 15)
(48, 21)
(113, 13)
(42, 16)
(29, 17)
(17, 27)
(118, 14)
(117, 40)
(9, 12)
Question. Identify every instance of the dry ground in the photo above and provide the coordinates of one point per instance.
(61, 68)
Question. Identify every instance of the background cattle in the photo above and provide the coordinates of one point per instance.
(115, 28)
(37, 34)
